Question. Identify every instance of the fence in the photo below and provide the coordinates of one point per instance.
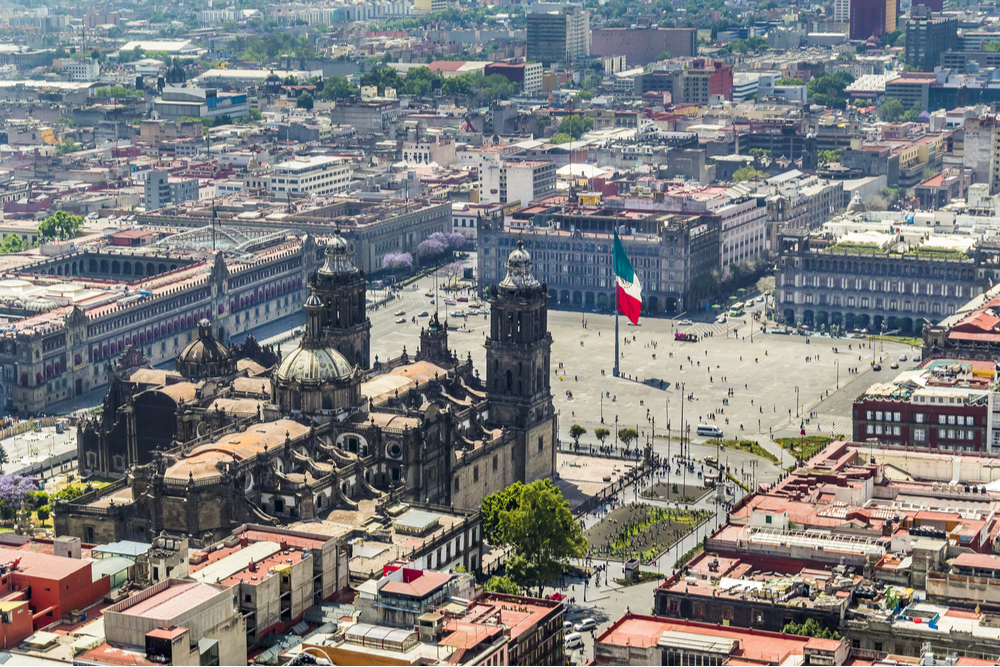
(27, 425)
(610, 490)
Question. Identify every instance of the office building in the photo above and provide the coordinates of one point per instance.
(502, 181)
(842, 11)
(526, 75)
(928, 37)
(317, 175)
(161, 189)
(558, 34)
(641, 46)
(82, 70)
(190, 102)
(872, 18)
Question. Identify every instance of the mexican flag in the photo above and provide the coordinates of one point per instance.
(629, 291)
(215, 216)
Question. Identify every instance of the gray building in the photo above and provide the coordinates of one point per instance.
(675, 256)
(866, 288)
(558, 33)
(928, 37)
(163, 190)
(366, 117)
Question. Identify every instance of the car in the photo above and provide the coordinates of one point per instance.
(400, 320)
(915, 358)
(585, 624)
(399, 313)
(474, 304)
(720, 320)
(902, 357)
(428, 293)
(422, 313)
(450, 302)
(463, 299)
(685, 323)
(894, 365)
(567, 625)
(876, 368)
(760, 299)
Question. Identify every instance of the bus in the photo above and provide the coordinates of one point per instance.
(736, 310)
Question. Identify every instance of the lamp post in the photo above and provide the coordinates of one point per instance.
(838, 373)
(796, 400)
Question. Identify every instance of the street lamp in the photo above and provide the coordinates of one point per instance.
(796, 400)
(838, 373)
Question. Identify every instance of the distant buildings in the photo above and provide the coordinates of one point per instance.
(527, 75)
(558, 34)
(872, 18)
(641, 46)
(928, 37)
(176, 103)
(317, 175)
(503, 180)
(161, 189)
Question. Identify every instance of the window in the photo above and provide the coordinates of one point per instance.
(878, 415)
(961, 420)
(895, 430)
(941, 419)
(951, 419)
(919, 435)
(897, 416)
(495, 462)
(456, 484)
(919, 418)
(673, 607)
(951, 434)
(767, 519)
(541, 444)
(475, 473)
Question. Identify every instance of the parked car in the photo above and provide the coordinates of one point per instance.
(685, 323)
(422, 313)
(876, 368)
(585, 625)
(399, 313)
(573, 640)
(902, 357)
(400, 320)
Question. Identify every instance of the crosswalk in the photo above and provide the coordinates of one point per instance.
(701, 328)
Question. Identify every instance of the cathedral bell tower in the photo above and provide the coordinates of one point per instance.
(341, 287)
(517, 368)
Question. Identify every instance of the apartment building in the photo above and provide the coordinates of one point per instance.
(502, 180)
(161, 189)
(558, 33)
(317, 175)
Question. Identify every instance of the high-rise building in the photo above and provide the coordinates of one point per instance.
(872, 18)
(558, 33)
(928, 36)
(161, 189)
(842, 11)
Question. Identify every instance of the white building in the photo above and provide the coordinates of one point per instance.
(502, 181)
(743, 232)
(83, 70)
(842, 11)
(318, 174)
(745, 85)
(161, 189)
(439, 150)
(465, 217)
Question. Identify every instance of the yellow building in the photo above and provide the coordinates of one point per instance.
(428, 6)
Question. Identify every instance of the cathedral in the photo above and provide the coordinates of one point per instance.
(241, 434)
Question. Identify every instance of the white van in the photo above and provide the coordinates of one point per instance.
(574, 640)
(710, 431)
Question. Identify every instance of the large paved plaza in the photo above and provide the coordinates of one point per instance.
(766, 374)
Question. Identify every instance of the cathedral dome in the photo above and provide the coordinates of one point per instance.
(519, 273)
(320, 364)
(175, 74)
(204, 356)
(338, 261)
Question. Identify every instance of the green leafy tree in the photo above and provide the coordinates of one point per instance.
(576, 432)
(69, 493)
(826, 157)
(11, 243)
(912, 115)
(747, 173)
(67, 146)
(811, 628)
(992, 46)
(627, 435)
(504, 585)
(789, 81)
(592, 82)
(305, 101)
(585, 95)
(602, 434)
(760, 152)
(544, 535)
(255, 114)
(337, 88)
(4, 459)
(561, 138)
(576, 126)
(890, 194)
(891, 111)
(665, 55)
(43, 513)
(828, 89)
(60, 225)
(493, 506)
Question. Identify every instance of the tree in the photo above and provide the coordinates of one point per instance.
(627, 435)
(43, 513)
(575, 125)
(585, 95)
(592, 82)
(561, 138)
(601, 434)
(4, 459)
(544, 535)
(789, 81)
(95, 54)
(575, 432)
(828, 89)
(67, 146)
(60, 225)
(504, 585)
(11, 243)
(493, 506)
(394, 261)
(69, 493)
(305, 101)
(747, 173)
(596, 66)
(14, 488)
(255, 114)
(891, 111)
(760, 152)
(992, 46)
(826, 157)
(811, 628)
(665, 55)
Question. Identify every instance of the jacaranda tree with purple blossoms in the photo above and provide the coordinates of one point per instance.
(397, 261)
(439, 243)
(13, 490)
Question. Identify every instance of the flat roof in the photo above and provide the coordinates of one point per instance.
(172, 602)
(124, 547)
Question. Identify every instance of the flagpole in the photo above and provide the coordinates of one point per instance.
(214, 215)
(617, 309)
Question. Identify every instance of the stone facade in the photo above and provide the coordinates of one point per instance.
(873, 290)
